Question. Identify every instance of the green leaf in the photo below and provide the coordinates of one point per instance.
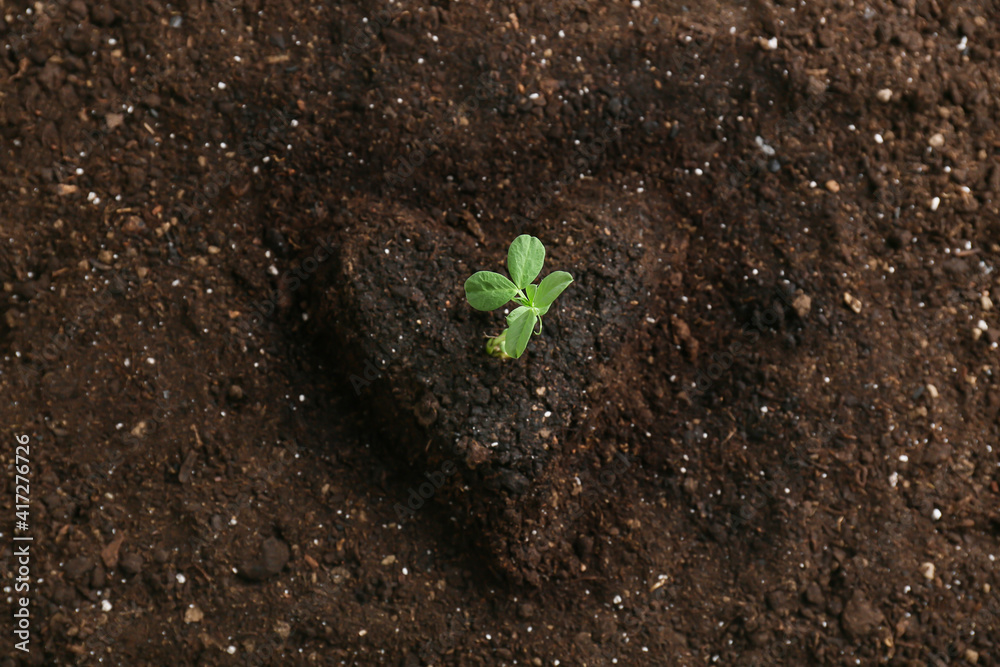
(529, 291)
(486, 290)
(551, 287)
(524, 260)
(520, 326)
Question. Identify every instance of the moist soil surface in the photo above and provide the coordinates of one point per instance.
(760, 428)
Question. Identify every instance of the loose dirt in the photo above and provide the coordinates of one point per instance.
(759, 429)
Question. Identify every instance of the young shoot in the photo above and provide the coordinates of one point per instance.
(486, 290)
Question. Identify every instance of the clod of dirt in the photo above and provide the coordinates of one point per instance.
(859, 617)
(131, 563)
(98, 578)
(102, 15)
(75, 568)
(398, 306)
(814, 594)
(109, 554)
(274, 555)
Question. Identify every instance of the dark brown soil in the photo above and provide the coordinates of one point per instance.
(761, 428)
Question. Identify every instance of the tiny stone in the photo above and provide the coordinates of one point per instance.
(986, 303)
(833, 186)
(971, 656)
(802, 304)
(884, 95)
(193, 615)
(388, 560)
(937, 140)
(935, 202)
(853, 302)
(932, 391)
(927, 569)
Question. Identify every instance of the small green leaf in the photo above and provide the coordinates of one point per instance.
(551, 287)
(529, 291)
(520, 326)
(486, 290)
(524, 260)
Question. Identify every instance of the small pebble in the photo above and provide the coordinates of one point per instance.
(884, 95)
(853, 302)
(193, 615)
(833, 186)
(937, 140)
(986, 302)
(802, 304)
(935, 203)
(932, 391)
(927, 569)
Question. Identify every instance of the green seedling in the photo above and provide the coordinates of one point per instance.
(486, 290)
